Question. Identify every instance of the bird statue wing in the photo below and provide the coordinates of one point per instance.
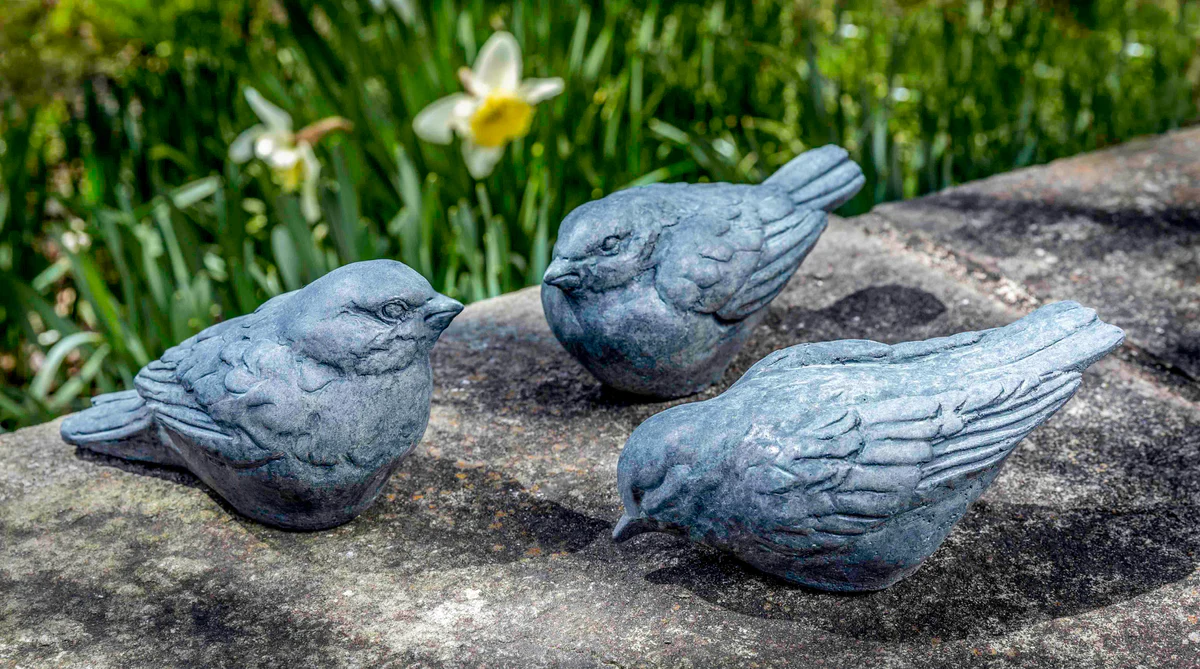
(854, 469)
(786, 362)
(202, 390)
(1057, 337)
(733, 255)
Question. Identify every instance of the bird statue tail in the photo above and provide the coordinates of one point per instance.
(1059, 337)
(823, 178)
(120, 425)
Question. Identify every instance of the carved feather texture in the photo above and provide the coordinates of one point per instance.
(192, 386)
(823, 178)
(843, 464)
(1057, 337)
(293, 413)
(735, 255)
(854, 469)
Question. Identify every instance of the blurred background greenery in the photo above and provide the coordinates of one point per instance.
(124, 228)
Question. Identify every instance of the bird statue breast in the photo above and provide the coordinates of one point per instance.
(843, 465)
(296, 414)
(654, 289)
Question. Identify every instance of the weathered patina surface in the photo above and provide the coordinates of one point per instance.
(490, 545)
(296, 414)
(655, 289)
(842, 465)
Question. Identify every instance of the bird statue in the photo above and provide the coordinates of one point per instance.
(843, 465)
(297, 413)
(654, 289)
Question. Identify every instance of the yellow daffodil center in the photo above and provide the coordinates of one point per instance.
(500, 119)
(290, 178)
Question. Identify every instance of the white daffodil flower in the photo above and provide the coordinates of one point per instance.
(403, 7)
(496, 108)
(289, 154)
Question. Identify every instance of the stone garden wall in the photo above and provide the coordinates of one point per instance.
(491, 546)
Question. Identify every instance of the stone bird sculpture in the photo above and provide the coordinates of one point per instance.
(843, 465)
(295, 414)
(654, 289)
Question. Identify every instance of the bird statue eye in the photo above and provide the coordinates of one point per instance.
(393, 312)
(610, 244)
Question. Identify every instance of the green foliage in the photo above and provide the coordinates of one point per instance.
(124, 228)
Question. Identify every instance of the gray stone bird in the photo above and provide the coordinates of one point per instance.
(654, 289)
(843, 465)
(295, 414)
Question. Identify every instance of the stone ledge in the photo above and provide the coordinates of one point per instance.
(1117, 229)
(490, 547)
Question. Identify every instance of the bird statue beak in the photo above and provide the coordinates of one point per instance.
(440, 311)
(561, 275)
(629, 527)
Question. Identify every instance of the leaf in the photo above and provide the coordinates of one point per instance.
(662, 174)
(166, 227)
(578, 41)
(191, 193)
(75, 384)
(40, 385)
(50, 275)
(595, 57)
(409, 183)
(303, 250)
(285, 258)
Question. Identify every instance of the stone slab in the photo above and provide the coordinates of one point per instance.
(1117, 229)
(490, 547)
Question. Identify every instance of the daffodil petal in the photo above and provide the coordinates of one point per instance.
(242, 148)
(280, 157)
(481, 160)
(460, 118)
(534, 91)
(312, 166)
(275, 118)
(309, 205)
(470, 85)
(498, 66)
(436, 122)
(265, 145)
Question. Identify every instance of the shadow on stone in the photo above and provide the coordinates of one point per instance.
(167, 473)
(479, 514)
(1004, 568)
(885, 307)
(1184, 355)
(153, 470)
(888, 313)
(890, 310)
(1012, 224)
(564, 388)
(1136, 264)
(217, 619)
(436, 515)
(535, 383)
(474, 516)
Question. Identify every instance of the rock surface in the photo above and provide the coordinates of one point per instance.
(490, 546)
(1118, 230)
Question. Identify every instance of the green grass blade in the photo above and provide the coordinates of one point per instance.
(39, 388)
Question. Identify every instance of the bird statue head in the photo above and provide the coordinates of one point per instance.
(607, 243)
(657, 473)
(367, 318)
